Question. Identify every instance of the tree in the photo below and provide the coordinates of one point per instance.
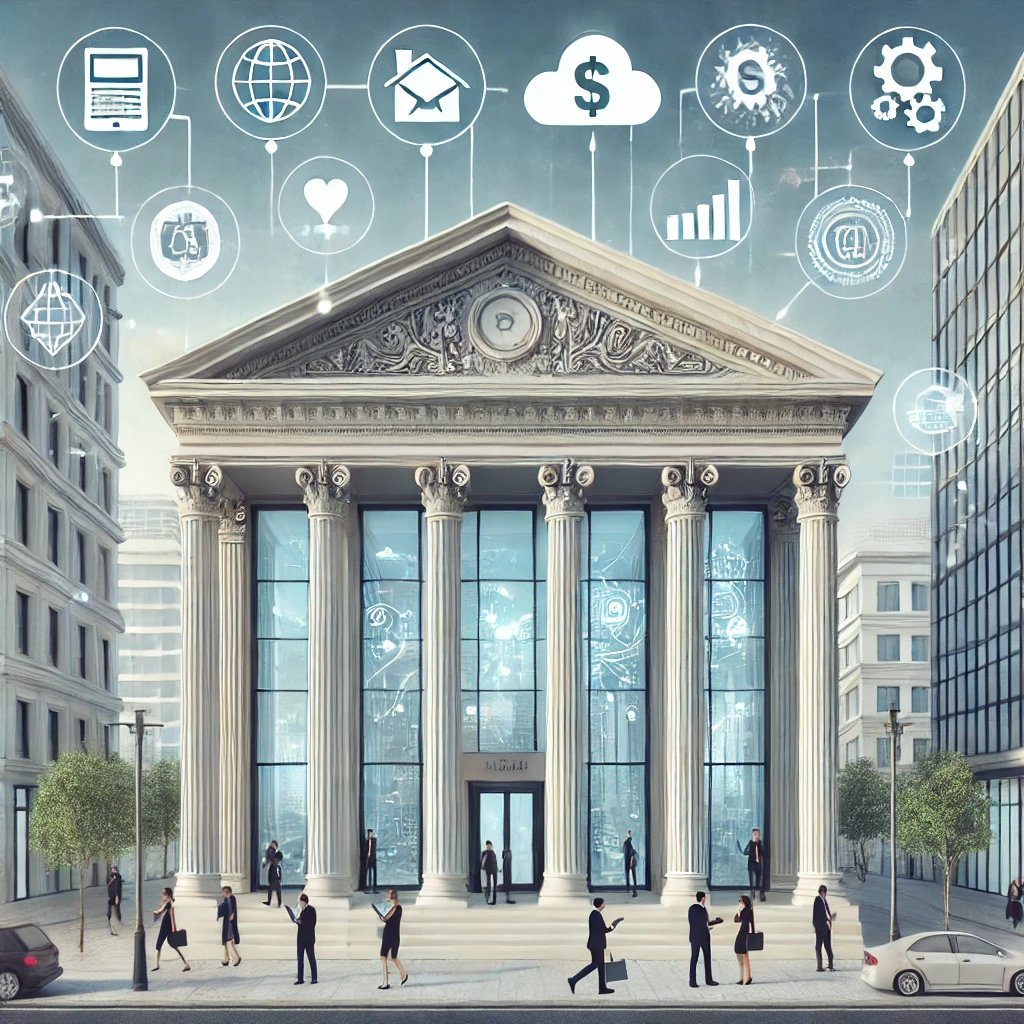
(942, 811)
(83, 813)
(161, 805)
(863, 808)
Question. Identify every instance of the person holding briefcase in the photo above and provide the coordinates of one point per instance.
(596, 943)
(745, 919)
(168, 932)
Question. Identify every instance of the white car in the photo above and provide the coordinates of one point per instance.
(942, 962)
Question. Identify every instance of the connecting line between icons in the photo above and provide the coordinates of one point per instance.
(115, 162)
(630, 190)
(495, 88)
(472, 148)
(426, 151)
(909, 161)
(593, 187)
(819, 166)
(363, 87)
(785, 309)
(188, 142)
(682, 92)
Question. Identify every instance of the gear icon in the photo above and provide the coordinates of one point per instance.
(740, 62)
(885, 108)
(936, 106)
(930, 71)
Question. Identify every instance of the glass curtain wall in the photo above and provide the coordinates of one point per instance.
(392, 586)
(996, 867)
(735, 622)
(615, 651)
(282, 652)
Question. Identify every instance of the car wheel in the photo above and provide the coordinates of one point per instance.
(1017, 984)
(907, 983)
(10, 985)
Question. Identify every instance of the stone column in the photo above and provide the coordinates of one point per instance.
(783, 693)
(818, 486)
(199, 509)
(565, 773)
(332, 778)
(684, 709)
(445, 858)
(235, 700)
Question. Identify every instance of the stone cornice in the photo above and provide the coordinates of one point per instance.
(445, 489)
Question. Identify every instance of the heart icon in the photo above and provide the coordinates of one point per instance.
(325, 197)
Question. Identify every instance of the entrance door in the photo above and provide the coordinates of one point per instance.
(511, 817)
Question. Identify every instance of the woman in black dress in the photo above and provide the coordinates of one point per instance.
(1014, 909)
(392, 935)
(227, 910)
(745, 919)
(166, 912)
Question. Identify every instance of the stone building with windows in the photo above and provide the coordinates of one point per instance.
(59, 463)
(525, 541)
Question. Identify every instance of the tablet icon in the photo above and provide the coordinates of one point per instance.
(116, 89)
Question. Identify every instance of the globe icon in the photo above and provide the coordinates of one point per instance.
(271, 81)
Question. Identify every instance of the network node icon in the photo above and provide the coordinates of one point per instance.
(184, 241)
(271, 81)
(935, 410)
(53, 318)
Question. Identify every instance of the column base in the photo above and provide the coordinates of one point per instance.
(443, 890)
(681, 887)
(332, 887)
(785, 883)
(197, 887)
(239, 883)
(557, 889)
(807, 885)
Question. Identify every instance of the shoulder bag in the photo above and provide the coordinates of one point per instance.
(177, 938)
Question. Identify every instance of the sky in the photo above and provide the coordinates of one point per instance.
(514, 158)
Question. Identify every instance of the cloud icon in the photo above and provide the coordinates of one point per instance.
(595, 84)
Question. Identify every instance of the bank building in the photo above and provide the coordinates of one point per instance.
(525, 541)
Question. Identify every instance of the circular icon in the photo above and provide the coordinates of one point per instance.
(185, 242)
(702, 207)
(851, 241)
(326, 205)
(426, 85)
(935, 410)
(505, 324)
(751, 81)
(115, 89)
(907, 88)
(53, 319)
(270, 82)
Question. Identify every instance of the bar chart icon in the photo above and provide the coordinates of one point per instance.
(717, 221)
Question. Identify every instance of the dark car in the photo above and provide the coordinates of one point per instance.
(28, 960)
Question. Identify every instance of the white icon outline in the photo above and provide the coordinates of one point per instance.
(184, 239)
(98, 86)
(946, 386)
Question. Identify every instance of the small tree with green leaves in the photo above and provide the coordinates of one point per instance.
(161, 805)
(863, 808)
(83, 813)
(942, 811)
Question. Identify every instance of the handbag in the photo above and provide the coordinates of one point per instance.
(615, 970)
(176, 938)
(755, 942)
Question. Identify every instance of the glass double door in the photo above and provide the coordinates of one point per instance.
(512, 818)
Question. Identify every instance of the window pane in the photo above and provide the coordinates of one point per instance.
(618, 545)
(506, 611)
(282, 664)
(391, 807)
(283, 545)
(618, 632)
(391, 726)
(888, 597)
(391, 545)
(736, 806)
(737, 609)
(506, 544)
(617, 803)
(736, 725)
(391, 612)
(506, 720)
(389, 666)
(737, 664)
(737, 551)
(281, 727)
(888, 647)
(282, 610)
(618, 726)
(281, 812)
(506, 665)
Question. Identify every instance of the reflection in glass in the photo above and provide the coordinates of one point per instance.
(283, 610)
(521, 837)
(492, 822)
(391, 807)
(617, 803)
(736, 806)
(281, 727)
(391, 726)
(282, 664)
(391, 545)
(282, 544)
(281, 813)
(737, 552)
(737, 664)
(506, 720)
(737, 733)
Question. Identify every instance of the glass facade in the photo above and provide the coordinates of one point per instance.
(977, 706)
(993, 870)
(392, 594)
(735, 631)
(281, 580)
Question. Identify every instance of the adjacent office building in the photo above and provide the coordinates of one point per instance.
(977, 706)
(59, 465)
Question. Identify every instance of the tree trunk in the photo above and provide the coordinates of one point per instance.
(862, 868)
(165, 858)
(81, 908)
(947, 872)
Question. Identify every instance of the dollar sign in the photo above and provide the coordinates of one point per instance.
(597, 98)
(751, 78)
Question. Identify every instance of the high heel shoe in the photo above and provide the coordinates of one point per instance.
(187, 967)
(382, 987)
(157, 968)
(748, 981)
(237, 962)
(223, 963)
(405, 979)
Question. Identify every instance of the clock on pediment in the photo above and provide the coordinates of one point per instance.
(505, 325)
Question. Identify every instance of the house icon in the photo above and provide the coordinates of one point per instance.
(425, 89)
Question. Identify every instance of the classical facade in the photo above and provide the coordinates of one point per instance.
(523, 541)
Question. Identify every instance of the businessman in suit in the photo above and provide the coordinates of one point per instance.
(822, 918)
(274, 873)
(369, 859)
(629, 858)
(700, 939)
(489, 866)
(597, 944)
(756, 854)
(305, 938)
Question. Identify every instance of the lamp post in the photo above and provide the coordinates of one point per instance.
(894, 730)
(140, 978)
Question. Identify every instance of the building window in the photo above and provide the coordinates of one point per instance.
(105, 574)
(83, 650)
(919, 648)
(80, 556)
(882, 751)
(849, 654)
(919, 597)
(82, 468)
(21, 405)
(851, 750)
(392, 577)
(54, 734)
(888, 647)
(54, 637)
(851, 704)
(106, 744)
(83, 381)
(922, 748)
(282, 651)
(888, 597)
(21, 516)
(887, 697)
(54, 437)
(53, 535)
(106, 491)
(21, 625)
(849, 604)
(106, 664)
(81, 733)
(55, 244)
(911, 475)
(108, 408)
(919, 699)
(23, 733)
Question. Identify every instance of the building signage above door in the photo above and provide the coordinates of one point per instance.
(527, 766)
(505, 764)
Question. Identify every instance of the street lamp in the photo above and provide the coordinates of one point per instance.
(140, 978)
(894, 730)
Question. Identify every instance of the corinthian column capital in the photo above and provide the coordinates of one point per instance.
(564, 485)
(445, 488)
(686, 489)
(324, 489)
(199, 488)
(234, 517)
(818, 487)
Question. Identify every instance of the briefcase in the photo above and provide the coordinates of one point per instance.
(177, 939)
(755, 942)
(615, 970)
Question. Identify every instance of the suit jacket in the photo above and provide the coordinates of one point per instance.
(114, 887)
(269, 854)
(598, 930)
(822, 916)
(274, 873)
(755, 853)
(307, 926)
(489, 862)
(370, 849)
(700, 929)
(628, 853)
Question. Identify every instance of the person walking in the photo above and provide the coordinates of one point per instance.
(167, 926)
(368, 856)
(489, 866)
(1014, 909)
(115, 885)
(822, 918)
(755, 853)
(745, 918)
(227, 910)
(700, 939)
(597, 943)
(629, 859)
(506, 874)
(391, 938)
(271, 852)
(274, 873)
(305, 938)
